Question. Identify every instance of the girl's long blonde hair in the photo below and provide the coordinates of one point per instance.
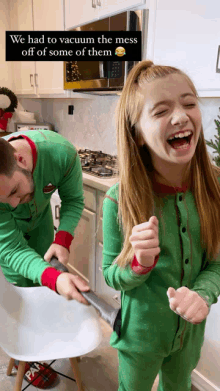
(136, 196)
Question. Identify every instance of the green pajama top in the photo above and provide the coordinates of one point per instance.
(57, 165)
(182, 262)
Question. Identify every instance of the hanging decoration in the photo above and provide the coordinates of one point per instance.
(7, 113)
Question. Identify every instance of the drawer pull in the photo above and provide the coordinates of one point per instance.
(57, 212)
(31, 80)
(36, 79)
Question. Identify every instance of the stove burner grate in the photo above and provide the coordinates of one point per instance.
(98, 163)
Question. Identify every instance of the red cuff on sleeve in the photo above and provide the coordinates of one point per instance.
(49, 278)
(63, 238)
(139, 269)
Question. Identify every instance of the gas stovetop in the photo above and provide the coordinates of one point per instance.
(98, 163)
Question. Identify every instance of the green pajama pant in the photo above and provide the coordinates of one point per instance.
(138, 373)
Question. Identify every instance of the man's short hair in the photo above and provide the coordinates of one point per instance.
(8, 162)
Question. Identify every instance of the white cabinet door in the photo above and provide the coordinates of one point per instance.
(80, 12)
(107, 293)
(23, 71)
(38, 78)
(5, 66)
(82, 249)
(108, 7)
(49, 16)
(88, 11)
(187, 36)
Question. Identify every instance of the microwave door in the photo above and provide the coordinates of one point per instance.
(92, 74)
(116, 69)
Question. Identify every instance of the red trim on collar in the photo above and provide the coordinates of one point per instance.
(161, 188)
(32, 145)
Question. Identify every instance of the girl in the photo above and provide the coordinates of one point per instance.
(161, 230)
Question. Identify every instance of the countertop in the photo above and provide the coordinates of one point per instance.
(96, 182)
(102, 184)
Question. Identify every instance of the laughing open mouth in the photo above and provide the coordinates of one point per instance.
(181, 139)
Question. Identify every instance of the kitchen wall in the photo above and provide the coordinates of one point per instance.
(93, 124)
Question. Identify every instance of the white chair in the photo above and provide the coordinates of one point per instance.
(37, 324)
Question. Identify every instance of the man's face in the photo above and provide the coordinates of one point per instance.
(17, 189)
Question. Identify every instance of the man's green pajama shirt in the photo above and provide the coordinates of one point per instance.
(154, 338)
(26, 232)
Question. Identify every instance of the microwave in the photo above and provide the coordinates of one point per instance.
(106, 77)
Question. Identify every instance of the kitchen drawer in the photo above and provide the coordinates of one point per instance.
(99, 231)
(90, 197)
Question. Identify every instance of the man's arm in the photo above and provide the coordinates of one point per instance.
(72, 201)
(14, 250)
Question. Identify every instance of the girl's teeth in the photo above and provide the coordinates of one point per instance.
(184, 134)
(183, 147)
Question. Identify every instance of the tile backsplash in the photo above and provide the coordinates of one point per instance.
(92, 125)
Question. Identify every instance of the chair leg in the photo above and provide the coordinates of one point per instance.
(76, 371)
(10, 366)
(20, 375)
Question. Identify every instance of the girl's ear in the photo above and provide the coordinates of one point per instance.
(138, 135)
(140, 138)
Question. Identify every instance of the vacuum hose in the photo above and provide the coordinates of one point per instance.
(111, 315)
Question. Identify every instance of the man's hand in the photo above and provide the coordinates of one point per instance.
(188, 304)
(59, 252)
(67, 284)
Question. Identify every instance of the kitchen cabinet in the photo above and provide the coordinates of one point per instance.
(88, 11)
(23, 71)
(43, 77)
(84, 12)
(82, 249)
(86, 248)
(110, 295)
(109, 7)
(187, 36)
(5, 66)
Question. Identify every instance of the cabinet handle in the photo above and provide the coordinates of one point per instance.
(93, 4)
(31, 78)
(57, 212)
(101, 69)
(99, 2)
(36, 79)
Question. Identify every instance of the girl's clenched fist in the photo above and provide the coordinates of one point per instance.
(145, 241)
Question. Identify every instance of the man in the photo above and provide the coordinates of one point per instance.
(33, 164)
